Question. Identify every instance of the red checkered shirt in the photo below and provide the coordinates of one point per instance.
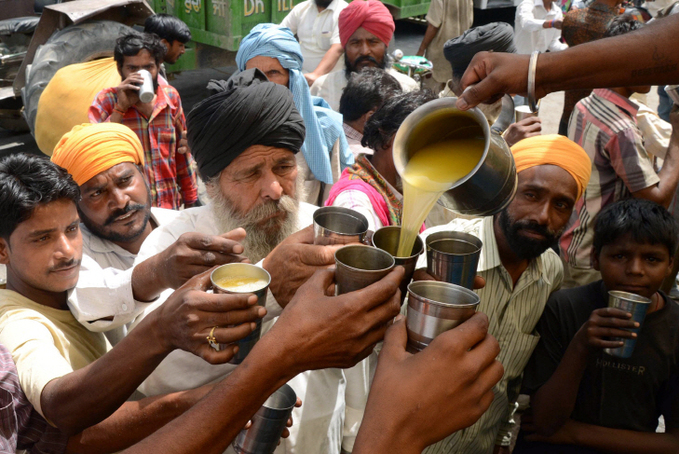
(170, 174)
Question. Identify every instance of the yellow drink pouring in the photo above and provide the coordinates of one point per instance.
(430, 172)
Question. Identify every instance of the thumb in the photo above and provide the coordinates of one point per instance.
(200, 281)
(316, 255)
(238, 234)
(396, 338)
(320, 281)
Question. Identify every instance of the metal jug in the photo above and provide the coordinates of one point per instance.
(491, 185)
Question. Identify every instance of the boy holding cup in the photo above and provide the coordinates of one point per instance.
(583, 399)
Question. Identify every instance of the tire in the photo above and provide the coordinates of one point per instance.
(75, 44)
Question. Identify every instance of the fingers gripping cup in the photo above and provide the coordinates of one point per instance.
(338, 225)
(267, 424)
(146, 91)
(637, 306)
(358, 266)
(239, 278)
(387, 239)
(435, 307)
(453, 257)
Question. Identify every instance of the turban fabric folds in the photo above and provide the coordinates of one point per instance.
(323, 125)
(247, 110)
(496, 37)
(372, 15)
(89, 149)
(554, 149)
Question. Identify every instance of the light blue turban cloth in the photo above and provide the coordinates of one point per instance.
(323, 125)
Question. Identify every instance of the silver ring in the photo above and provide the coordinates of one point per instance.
(532, 68)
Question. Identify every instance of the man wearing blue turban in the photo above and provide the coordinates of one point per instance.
(275, 51)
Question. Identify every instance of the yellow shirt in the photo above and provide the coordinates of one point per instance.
(45, 343)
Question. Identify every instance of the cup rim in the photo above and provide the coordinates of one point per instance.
(462, 237)
(231, 265)
(353, 268)
(464, 290)
(633, 297)
(392, 227)
(344, 211)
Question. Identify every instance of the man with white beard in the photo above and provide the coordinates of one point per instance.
(244, 139)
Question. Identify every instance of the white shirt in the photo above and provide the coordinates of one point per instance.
(318, 424)
(315, 31)
(104, 286)
(529, 35)
(330, 86)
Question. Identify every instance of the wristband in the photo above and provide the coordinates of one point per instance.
(532, 67)
(115, 109)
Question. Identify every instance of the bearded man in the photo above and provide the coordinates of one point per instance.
(245, 139)
(521, 271)
(365, 29)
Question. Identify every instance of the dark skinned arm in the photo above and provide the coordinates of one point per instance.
(429, 36)
(326, 64)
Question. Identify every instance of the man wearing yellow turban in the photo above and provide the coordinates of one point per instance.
(521, 271)
(106, 161)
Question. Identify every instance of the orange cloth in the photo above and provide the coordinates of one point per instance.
(89, 149)
(371, 15)
(554, 149)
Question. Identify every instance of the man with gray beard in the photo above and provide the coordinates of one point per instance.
(244, 139)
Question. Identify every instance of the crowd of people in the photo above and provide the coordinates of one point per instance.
(111, 338)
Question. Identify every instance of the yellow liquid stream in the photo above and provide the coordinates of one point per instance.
(430, 172)
(241, 283)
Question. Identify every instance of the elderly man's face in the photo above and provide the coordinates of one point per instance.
(540, 210)
(272, 68)
(116, 204)
(364, 50)
(257, 191)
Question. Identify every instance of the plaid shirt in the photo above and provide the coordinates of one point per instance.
(21, 427)
(167, 171)
(605, 125)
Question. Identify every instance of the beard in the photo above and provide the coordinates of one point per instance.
(322, 3)
(261, 239)
(350, 67)
(526, 248)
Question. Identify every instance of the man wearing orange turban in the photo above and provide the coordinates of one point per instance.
(106, 161)
(365, 30)
(521, 271)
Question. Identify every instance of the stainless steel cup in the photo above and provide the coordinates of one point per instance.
(338, 225)
(387, 239)
(243, 269)
(637, 306)
(267, 424)
(453, 257)
(358, 266)
(435, 307)
(146, 91)
(522, 112)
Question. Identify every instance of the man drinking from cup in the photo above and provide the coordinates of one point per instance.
(521, 271)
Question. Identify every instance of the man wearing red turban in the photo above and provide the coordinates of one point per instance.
(365, 29)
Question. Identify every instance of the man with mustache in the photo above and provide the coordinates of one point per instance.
(106, 160)
(159, 124)
(245, 138)
(521, 271)
(365, 29)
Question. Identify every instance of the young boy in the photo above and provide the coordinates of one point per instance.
(173, 33)
(584, 400)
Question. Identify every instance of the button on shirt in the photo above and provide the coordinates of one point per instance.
(315, 31)
(529, 34)
(513, 312)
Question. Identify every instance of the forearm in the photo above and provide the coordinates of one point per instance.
(85, 397)
(212, 424)
(553, 403)
(329, 60)
(618, 441)
(428, 38)
(147, 279)
(133, 422)
(647, 59)
(663, 192)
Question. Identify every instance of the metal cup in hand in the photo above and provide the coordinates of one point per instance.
(338, 225)
(453, 257)
(387, 239)
(146, 91)
(637, 306)
(358, 266)
(267, 424)
(435, 307)
(225, 279)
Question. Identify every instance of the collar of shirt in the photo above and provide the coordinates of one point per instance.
(331, 7)
(490, 255)
(541, 4)
(623, 103)
(103, 246)
(351, 133)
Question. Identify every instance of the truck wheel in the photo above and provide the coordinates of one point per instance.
(75, 44)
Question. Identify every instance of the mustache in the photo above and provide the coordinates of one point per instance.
(123, 211)
(65, 265)
(364, 58)
(537, 228)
